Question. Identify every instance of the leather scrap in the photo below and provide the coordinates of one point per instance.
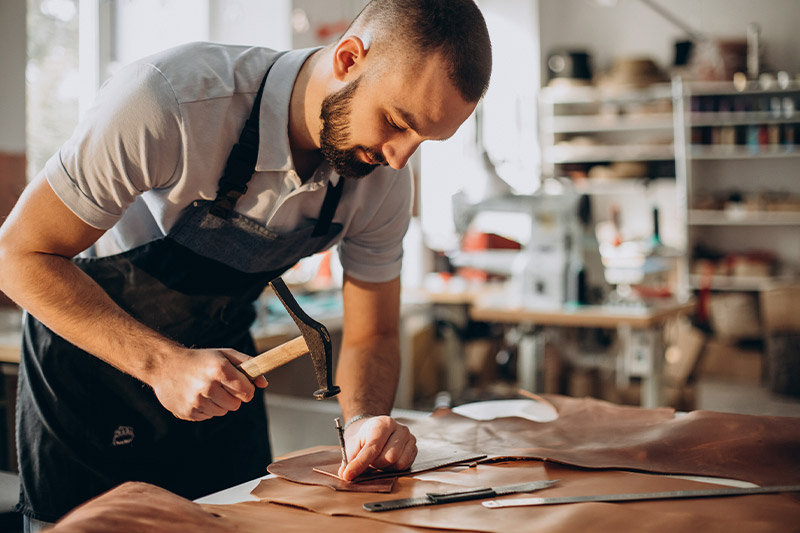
(300, 469)
(140, 507)
(429, 457)
(596, 434)
(322, 467)
(258, 517)
(143, 508)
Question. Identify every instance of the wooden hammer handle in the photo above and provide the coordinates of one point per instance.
(272, 359)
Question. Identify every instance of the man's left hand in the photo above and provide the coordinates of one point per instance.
(379, 442)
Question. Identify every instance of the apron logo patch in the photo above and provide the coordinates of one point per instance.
(122, 435)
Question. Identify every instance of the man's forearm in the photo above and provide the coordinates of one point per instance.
(37, 273)
(71, 304)
(367, 374)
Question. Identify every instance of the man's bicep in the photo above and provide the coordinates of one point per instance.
(41, 223)
(370, 309)
(372, 250)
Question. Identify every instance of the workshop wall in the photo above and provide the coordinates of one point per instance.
(616, 28)
(12, 90)
(12, 82)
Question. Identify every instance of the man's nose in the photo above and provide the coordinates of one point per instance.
(398, 151)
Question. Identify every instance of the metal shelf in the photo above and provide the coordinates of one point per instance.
(594, 95)
(707, 217)
(726, 88)
(610, 123)
(699, 151)
(740, 283)
(588, 154)
(734, 118)
(613, 186)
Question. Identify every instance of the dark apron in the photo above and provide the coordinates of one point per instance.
(84, 427)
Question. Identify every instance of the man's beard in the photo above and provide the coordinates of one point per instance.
(335, 134)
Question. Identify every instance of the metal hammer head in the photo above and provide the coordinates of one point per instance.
(316, 337)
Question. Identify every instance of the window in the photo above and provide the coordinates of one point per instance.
(52, 80)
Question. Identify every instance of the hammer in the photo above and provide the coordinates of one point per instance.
(314, 340)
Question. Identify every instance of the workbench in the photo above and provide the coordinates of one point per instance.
(639, 326)
(640, 348)
(594, 448)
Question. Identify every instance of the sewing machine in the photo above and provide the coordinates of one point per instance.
(549, 271)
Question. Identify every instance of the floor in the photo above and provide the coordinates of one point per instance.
(732, 397)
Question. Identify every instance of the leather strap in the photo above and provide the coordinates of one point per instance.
(332, 196)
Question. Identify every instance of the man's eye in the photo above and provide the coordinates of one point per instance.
(393, 125)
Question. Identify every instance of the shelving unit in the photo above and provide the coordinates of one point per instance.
(737, 169)
(588, 126)
(741, 283)
(618, 147)
(709, 217)
(737, 152)
(733, 157)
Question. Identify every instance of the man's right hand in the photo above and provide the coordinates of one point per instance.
(203, 383)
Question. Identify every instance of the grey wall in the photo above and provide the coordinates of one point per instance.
(12, 80)
(631, 28)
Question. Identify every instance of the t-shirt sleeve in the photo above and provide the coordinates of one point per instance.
(129, 142)
(375, 252)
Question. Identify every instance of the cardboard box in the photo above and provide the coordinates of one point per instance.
(783, 363)
(734, 316)
(730, 361)
(428, 364)
(683, 398)
(683, 353)
(780, 309)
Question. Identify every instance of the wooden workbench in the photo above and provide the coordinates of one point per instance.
(639, 329)
(493, 309)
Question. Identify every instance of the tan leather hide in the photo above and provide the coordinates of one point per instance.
(599, 436)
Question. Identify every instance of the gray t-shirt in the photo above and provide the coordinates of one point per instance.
(158, 137)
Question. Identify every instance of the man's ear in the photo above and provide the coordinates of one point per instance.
(348, 57)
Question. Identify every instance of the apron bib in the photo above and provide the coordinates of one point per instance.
(84, 427)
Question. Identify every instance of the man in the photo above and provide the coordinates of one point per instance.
(128, 368)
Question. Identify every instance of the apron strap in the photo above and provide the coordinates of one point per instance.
(241, 162)
(240, 166)
(329, 204)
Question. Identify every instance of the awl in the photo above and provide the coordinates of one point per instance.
(434, 498)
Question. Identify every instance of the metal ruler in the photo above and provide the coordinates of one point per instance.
(709, 493)
(433, 498)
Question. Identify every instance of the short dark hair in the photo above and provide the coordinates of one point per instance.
(454, 28)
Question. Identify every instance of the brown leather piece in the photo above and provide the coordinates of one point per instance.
(259, 517)
(300, 469)
(742, 513)
(588, 432)
(140, 507)
(143, 508)
(597, 434)
(321, 467)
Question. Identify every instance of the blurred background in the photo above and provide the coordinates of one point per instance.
(618, 219)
